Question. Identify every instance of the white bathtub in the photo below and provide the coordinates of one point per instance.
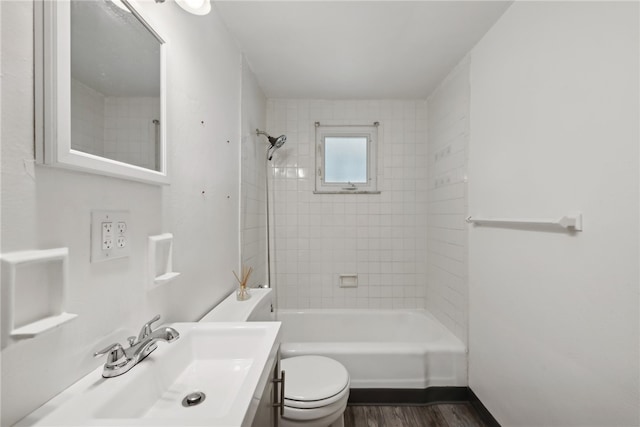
(399, 349)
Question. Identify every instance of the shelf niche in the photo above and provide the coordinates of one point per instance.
(160, 260)
(34, 286)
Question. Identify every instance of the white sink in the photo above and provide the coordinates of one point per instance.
(228, 362)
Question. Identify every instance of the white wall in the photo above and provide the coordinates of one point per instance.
(554, 129)
(448, 139)
(51, 208)
(253, 221)
(381, 237)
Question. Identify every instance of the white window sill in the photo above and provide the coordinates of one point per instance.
(345, 192)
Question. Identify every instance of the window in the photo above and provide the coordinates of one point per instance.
(346, 159)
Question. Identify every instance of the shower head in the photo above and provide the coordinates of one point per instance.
(275, 142)
(278, 142)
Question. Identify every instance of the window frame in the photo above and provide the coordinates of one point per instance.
(370, 132)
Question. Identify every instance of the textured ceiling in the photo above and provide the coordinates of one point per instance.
(356, 49)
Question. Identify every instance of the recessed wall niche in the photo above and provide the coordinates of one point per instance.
(34, 286)
(160, 260)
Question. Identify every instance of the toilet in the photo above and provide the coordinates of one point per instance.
(316, 392)
(316, 387)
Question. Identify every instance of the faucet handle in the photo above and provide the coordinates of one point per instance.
(132, 341)
(146, 328)
(114, 353)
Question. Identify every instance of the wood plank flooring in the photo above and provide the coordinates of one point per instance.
(437, 415)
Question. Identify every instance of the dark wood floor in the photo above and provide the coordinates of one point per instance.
(438, 415)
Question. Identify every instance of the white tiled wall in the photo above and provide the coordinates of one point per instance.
(87, 119)
(119, 128)
(129, 131)
(382, 237)
(448, 135)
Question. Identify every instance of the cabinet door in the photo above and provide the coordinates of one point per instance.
(267, 413)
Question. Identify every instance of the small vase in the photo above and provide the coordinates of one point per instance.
(242, 294)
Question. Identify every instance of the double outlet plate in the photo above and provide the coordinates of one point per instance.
(109, 235)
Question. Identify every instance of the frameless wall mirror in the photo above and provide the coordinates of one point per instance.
(100, 89)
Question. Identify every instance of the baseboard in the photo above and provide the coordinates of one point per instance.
(482, 410)
(407, 396)
(426, 396)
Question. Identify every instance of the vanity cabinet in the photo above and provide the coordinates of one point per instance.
(267, 414)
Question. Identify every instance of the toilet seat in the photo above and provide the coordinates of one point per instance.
(321, 416)
(316, 404)
(314, 382)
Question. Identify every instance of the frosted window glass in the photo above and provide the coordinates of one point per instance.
(345, 159)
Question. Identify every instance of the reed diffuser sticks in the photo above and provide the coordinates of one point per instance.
(243, 293)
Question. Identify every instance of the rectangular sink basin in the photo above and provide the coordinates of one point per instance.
(199, 385)
(227, 362)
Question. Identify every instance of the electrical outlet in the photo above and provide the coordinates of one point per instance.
(107, 244)
(109, 235)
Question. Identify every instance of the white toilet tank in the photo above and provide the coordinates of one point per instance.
(257, 308)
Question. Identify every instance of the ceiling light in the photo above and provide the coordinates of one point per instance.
(197, 7)
(120, 5)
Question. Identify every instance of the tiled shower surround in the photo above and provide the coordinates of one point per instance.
(87, 119)
(119, 128)
(448, 141)
(130, 131)
(380, 237)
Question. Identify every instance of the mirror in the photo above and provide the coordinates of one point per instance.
(102, 89)
(115, 84)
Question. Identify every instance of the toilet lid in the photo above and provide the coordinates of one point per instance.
(312, 378)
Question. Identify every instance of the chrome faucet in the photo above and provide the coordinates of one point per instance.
(120, 359)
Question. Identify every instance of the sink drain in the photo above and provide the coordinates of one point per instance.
(193, 399)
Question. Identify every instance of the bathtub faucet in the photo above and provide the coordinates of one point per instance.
(121, 360)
